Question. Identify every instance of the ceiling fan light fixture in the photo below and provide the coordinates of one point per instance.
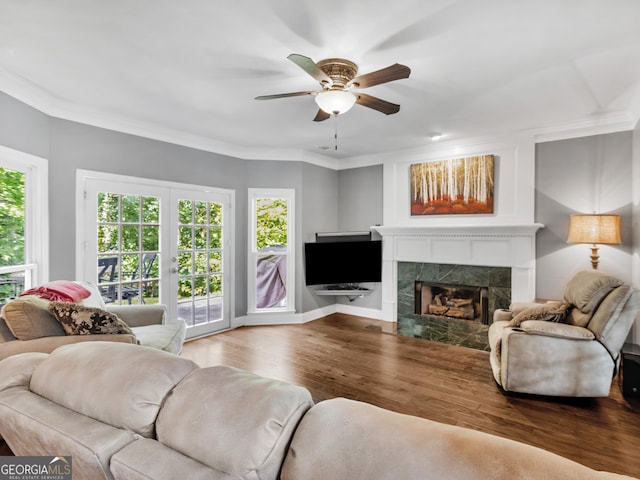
(335, 102)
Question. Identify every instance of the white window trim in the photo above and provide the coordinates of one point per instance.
(37, 213)
(289, 194)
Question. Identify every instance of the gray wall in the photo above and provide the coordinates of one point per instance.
(360, 198)
(360, 207)
(70, 146)
(319, 206)
(23, 128)
(581, 175)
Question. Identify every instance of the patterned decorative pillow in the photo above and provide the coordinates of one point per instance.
(550, 312)
(80, 320)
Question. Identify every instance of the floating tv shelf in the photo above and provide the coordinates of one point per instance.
(349, 292)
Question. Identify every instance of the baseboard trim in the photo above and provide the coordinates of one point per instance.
(360, 311)
(289, 318)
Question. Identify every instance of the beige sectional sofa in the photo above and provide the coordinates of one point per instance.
(27, 325)
(124, 411)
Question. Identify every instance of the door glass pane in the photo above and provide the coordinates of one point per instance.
(185, 211)
(107, 238)
(185, 288)
(150, 238)
(150, 210)
(184, 238)
(215, 262)
(201, 262)
(130, 270)
(108, 207)
(130, 238)
(200, 213)
(151, 291)
(200, 238)
(199, 255)
(128, 248)
(185, 263)
(130, 208)
(215, 213)
(215, 285)
(215, 237)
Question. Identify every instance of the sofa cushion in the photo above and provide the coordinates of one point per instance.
(585, 291)
(77, 319)
(145, 459)
(28, 317)
(6, 335)
(16, 370)
(168, 337)
(615, 317)
(346, 439)
(35, 426)
(126, 393)
(95, 298)
(558, 330)
(239, 409)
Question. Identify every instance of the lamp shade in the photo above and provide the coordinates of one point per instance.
(594, 228)
(335, 101)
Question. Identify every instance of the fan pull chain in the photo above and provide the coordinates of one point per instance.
(335, 135)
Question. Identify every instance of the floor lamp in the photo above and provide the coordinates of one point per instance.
(594, 229)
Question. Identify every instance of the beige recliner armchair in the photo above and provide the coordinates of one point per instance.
(565, 348)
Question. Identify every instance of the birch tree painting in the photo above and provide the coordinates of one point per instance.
(459, 185)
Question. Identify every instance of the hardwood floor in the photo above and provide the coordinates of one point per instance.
(351, 357)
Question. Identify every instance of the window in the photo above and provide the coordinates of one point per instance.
(271, 275)
(24, 227)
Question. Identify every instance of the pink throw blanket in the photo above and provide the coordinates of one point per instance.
(60, 291)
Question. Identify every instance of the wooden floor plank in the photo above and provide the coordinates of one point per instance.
(347, 356)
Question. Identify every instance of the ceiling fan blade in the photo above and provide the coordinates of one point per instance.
(284, 95)
(389, 74)
(321, 115)
(377, 104)
(311, 68)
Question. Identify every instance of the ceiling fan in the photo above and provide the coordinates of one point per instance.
(337, 77)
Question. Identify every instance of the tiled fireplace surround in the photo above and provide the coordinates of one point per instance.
(499, 257)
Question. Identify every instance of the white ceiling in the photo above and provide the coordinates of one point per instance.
(187, 71)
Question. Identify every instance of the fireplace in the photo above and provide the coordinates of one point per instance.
(460, 302)
(504, 253)
(428, 291)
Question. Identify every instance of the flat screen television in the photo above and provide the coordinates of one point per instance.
(342, 263)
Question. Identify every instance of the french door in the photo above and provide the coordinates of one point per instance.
(198, 258)
(152, 242)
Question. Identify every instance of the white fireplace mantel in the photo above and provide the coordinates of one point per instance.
(485, 245)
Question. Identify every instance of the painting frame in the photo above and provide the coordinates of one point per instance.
(455, 186)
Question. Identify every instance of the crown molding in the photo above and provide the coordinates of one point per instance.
(593, 125)
(45, 101)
